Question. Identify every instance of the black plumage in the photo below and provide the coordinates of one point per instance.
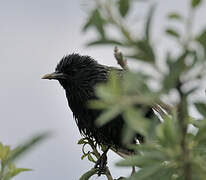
(78, 75)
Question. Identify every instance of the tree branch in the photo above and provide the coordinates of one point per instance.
(182, 115)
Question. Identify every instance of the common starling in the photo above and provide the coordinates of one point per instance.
(78, 75)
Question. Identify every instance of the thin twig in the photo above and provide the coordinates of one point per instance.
(88, 174)
(108, 174)
(183, 125)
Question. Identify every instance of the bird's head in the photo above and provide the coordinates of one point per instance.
(73, 69)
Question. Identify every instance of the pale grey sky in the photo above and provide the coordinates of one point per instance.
(34, 35)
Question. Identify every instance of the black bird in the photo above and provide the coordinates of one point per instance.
(78, 75)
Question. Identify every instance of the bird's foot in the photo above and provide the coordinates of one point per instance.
(101, 163)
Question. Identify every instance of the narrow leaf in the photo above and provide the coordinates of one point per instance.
(169, 132)
(13, 171)
(201, 107)
(108, 115)
(88, 174)
(195, 3)
(202, 39)
(175, 16)
(172, 32)
(154, 157)
(104, 42)
(99, 22)
(176, 68)
(96, 21)
(90, 158)
(83, 156)
(136, 121)
(128, 134)
(148, 23)
(82, 141)
(144, 52)
(4, 152)
(124, 6)
(21, 149)
(147, 173)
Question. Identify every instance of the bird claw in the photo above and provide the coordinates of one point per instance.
(101, 164)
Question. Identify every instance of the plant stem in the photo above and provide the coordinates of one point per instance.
(97, 154)
(2, 171)
(188, 28)
(182, 107)
(182, 115)
(108, 174)
(118, 22)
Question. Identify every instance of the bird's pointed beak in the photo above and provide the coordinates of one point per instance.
(54, 75)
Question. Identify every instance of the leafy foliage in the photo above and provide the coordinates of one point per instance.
(124, 6)
(171, 150)
(175, 16)
(8, 156)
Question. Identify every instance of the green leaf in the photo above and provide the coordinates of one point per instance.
(19, 170)
(148, 23)
(4, 152)
(155, 121)
(172, 32)
(175, 16)
(167, 132)
(97, 21)
(21, 149)
(202, 39)
(83, 156)
(124, 6)
(104, 148)
(134, 82)
(191, 91)
(176, 68)
(13, 171)
(200, 137)
(135, 120)
(152, 156)
(144, 52)
(97, 104)
(127, 36)
(195, 3)
(90, 158)
(110, 91)
(201, 107)
(82, 141)
(149, 173)
(104, 92)
(104, 42)
(138, 160)
(108, 115)
(128, 134)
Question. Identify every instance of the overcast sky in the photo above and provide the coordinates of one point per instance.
(34, 35)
